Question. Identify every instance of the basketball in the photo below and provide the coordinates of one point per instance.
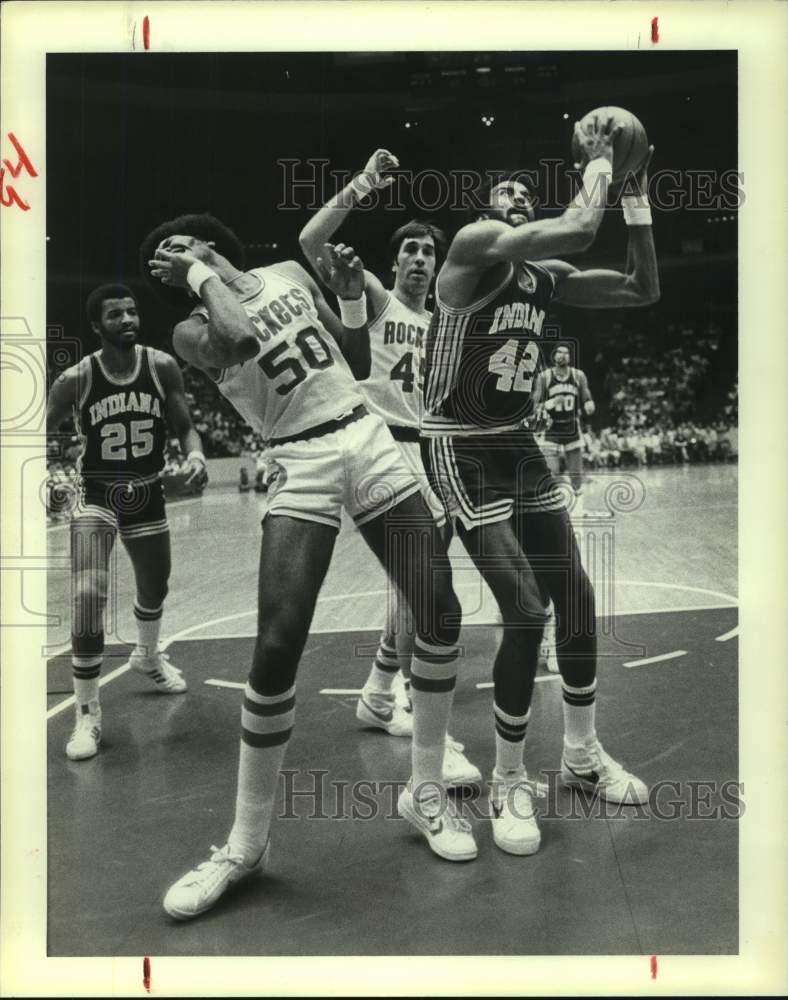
(631, 146)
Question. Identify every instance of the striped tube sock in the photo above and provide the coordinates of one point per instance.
(432, 680)
(148, 629)
(510, 733)
(86, 671)
(384, 668)
(266, 725)
(579, 714)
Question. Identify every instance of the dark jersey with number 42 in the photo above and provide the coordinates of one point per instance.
(482, 359)
(121, 420)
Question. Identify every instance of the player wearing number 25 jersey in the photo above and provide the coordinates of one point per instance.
(120, 397)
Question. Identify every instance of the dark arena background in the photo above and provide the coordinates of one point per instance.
(253, 138)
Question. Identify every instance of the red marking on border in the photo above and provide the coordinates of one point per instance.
(146, 973)
(654, 30)
(653, 966)
(146, 32)
(8, 194)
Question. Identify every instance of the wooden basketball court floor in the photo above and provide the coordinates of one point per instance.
(124, 825)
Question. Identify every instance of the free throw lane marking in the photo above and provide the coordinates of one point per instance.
(340, 691)
(484, 685)
(225, 684)
(728, 635)
(656, 659)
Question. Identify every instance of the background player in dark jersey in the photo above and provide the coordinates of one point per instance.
(390, 368)
(122, 398)
(483, 349)
(564, 394)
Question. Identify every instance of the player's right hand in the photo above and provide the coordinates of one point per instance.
(597, 139)
(377, 166)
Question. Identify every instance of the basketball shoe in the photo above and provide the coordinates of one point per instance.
(512, 812)
(157, 668)
(382, 710)
(202, 887)
(439, 820)
(84, 740)
(593, 770)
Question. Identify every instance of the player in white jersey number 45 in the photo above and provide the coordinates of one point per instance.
(390, 374)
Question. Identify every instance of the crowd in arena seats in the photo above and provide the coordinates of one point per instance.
(649, 391)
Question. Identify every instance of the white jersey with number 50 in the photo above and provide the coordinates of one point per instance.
(299, 378)
(395, 384)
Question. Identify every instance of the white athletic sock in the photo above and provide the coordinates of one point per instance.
(433, 678)
(384, 668)
(266, 725)
(510, 731)
(148, 629)
(579, 714)
(86, 671)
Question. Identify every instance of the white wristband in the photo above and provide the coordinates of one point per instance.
(594, 193)
(637, 211)
(353, 312)
(197, 274)
(196, 456)
(362, 185)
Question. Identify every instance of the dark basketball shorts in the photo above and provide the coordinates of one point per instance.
(486, 478)
(134, 507)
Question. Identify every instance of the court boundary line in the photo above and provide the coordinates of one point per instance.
(178, 636)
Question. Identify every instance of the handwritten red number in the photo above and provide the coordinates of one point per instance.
(8, 194)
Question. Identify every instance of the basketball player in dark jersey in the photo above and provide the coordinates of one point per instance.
(492, 296)
(123, 397)
(563, 393)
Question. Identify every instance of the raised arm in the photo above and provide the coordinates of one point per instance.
(342, 271)
(483, 244)
(228, 337)
(322, 226)
(637, 284)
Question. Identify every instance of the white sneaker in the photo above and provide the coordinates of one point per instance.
(438, 818)
(457, 769)
(84, 740)
(512, 812)
(199, 889)
(157, 668)
(595, 771)
(382, 711)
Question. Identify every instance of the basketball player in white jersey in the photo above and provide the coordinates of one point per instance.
(267, 338)
(392, 385)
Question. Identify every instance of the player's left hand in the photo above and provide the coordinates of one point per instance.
(197, 473)
(342, 270)
(589, 407)
(171, 268)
